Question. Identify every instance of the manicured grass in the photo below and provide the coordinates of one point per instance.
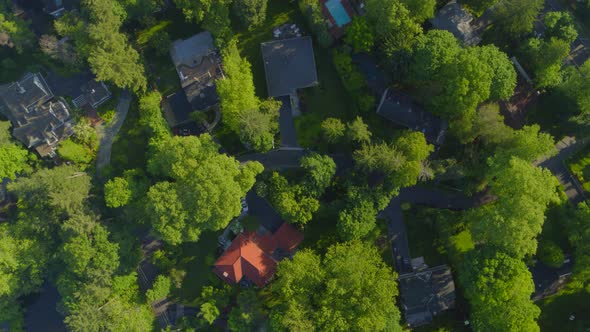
(580, 167)
(197, 258)
(557, 309)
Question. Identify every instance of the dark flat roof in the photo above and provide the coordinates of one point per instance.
(289, 65)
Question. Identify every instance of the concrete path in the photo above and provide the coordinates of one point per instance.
(287, 124)
(567, 147)
(107, 134)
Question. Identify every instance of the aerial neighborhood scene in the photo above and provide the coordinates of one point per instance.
(295, 165)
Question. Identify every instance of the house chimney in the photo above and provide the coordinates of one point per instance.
(20, 89)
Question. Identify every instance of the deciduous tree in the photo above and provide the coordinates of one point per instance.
(561, 25)
(349, 289)
(333, 129)
(201, 188)
(499, 289)
(251, 13)
(515, 18)
(359, 35)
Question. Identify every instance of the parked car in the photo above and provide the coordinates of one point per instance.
(244, 205)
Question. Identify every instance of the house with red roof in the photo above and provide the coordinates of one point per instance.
(254, 256)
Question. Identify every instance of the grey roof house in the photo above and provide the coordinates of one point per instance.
(56, 8)
(401, 109)
(455, 19)
(198, 65)
(426, 293)
(289, 65)
(39, 120)
(92, 93)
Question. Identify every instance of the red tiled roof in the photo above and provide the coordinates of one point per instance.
(287, 237)
(250, 255)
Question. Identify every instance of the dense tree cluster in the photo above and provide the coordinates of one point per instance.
(97, 38)
(499, 289)
(463, 77)
(14, 31)
(13, 157)
(350, 288)
(254, 120)
(297, 202)
(200, 188)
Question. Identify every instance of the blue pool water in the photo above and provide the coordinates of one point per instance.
(338, 12)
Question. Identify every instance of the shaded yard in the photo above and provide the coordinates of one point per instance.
(129, 147)
(197, 258)
(556, 311)
(580, 167)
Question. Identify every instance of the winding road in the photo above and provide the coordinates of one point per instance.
(108, 133)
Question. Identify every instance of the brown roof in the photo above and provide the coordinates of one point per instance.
(250, 255)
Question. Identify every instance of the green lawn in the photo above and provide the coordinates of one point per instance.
(557, 309)
(580, 167)
(197, 258)
(423, 235)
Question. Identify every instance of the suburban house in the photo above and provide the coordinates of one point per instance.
(425, 293)
(39, 120)
(455, 19)
(253, 256)
(198, 65)
(289, 65)
(401, 109)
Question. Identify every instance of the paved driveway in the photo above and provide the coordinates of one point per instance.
(287, 124)
(107, 133)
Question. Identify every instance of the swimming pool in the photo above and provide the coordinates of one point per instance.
(338, 12)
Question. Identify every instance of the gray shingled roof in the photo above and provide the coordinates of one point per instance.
(39, 121)
(425, 294)
(289, 65)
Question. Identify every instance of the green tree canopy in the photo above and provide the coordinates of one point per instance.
(13, 158)
(358, 131)
(420, 10)
(251, 13)
(513, 223)
(333, 129)
(561, 25)
(545, 58)
(14, 31)
(320, 172)
(390, 20)
(515, 18)
(431, 52)
(499, 290)
(359, 35)
(357, 221)
(117, 192)
(201, 188)
(579, 236)
(247, 314)
(349, 289)
(212, 14)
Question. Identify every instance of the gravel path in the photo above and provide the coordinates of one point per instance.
(107, 134)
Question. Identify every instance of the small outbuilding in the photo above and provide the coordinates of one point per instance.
(289, 65)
